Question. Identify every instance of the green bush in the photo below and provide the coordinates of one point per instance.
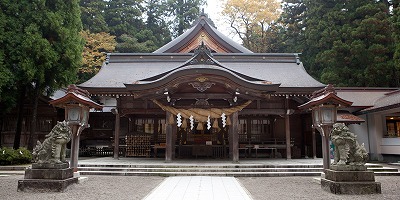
(24, 156)
(9, 156)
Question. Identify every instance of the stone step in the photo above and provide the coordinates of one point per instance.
(387, 173)
(13, 168)
(202, 166)
(169, 169)
(235, 174)
(222, 170)
(13, 172)
(383, 169)
(200, 169)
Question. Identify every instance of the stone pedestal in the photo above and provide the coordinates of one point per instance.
(350, 182)
(47, 178)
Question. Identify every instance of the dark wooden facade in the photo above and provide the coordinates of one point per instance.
(47, 118)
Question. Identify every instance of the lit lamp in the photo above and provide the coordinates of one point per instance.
(77, 104)
(324, 105)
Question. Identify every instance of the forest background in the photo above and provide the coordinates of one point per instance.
(46, 45)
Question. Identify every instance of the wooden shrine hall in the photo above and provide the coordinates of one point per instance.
(203, 95)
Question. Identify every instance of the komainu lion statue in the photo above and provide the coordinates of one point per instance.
(52, 150)
(347, 149)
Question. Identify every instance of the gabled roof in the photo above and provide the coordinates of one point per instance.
(229, 57)
(77, 95)
(326, 95)
(283, 69)
(202, 31)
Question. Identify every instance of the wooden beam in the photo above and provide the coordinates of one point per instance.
(202, 96)
(262, 112)
(135, 111)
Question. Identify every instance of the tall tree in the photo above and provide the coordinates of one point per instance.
(347, 43)
(124, 16)
(362, 56)
(156, 22)
(252, 21)
(396, 34)
(93, 15)
(125, 20)
(183, 13)
(43, 49)
(291, 26)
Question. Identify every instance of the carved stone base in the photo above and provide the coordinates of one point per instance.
(45, 185)
(348, 167)
(47, 177)
(55, 174)
(49, 166)
(350, 182)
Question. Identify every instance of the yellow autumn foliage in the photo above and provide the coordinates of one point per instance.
(251, 18)
(97, 44)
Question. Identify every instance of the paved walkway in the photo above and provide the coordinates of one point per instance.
(199, 188)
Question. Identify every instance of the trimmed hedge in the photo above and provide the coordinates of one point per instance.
(9, 156)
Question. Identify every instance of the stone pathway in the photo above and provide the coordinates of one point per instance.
(199, 187)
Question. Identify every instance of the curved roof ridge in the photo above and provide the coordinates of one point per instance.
(203, 21)
(203, 56)
(189, 69)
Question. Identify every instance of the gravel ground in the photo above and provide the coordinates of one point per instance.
(137, 187)
(262, 188)
(95, 187)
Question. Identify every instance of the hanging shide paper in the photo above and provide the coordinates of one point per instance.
(201, 114)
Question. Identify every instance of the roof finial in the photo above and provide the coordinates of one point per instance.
(202, 11)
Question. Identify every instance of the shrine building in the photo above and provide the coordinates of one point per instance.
(204, 95)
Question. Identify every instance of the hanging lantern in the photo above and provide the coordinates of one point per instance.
(215, 124)
(228, 121)
(171, 119)
(184, 123)
(200, 126)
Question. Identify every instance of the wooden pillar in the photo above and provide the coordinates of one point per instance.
(168, 139)
(314, 144)
(234, 137)
(287, 129)
(248, 130)
(116, 134)
(230, 137)
(174, 128)
(155, 132)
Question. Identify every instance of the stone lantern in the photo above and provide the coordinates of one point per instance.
(77, 104)
(324, 104)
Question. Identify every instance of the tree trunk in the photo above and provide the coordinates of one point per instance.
(35, 103)
(1, 128)
(21, 98)
(181, 25)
